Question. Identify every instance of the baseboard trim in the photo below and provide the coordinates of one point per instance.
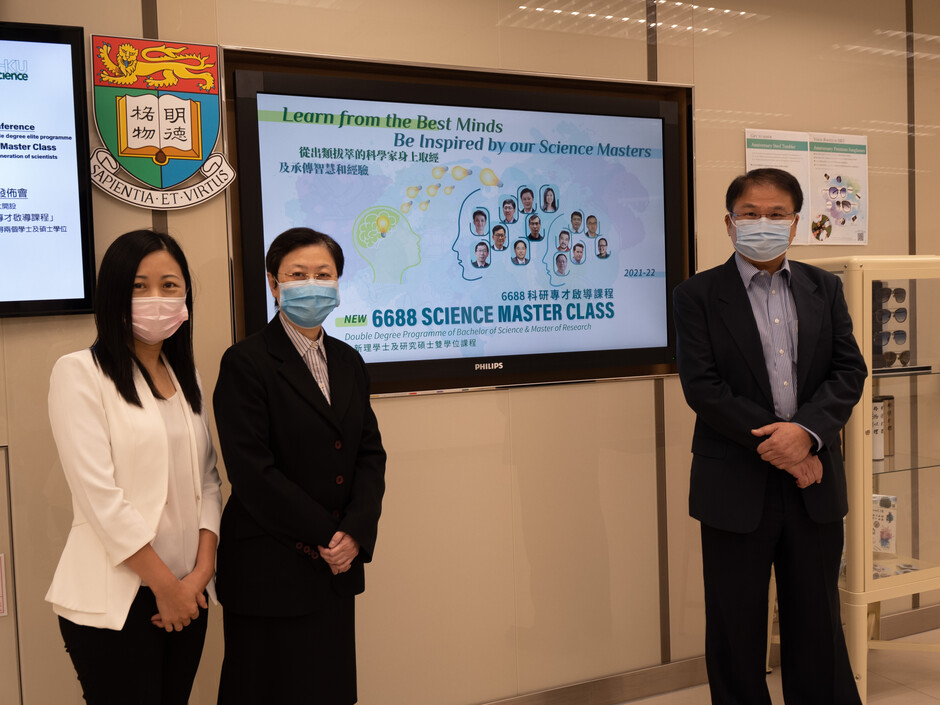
(619, 688)
(923, 619)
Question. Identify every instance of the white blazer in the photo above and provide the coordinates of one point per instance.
(115, 457)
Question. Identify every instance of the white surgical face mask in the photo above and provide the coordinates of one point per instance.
(156, 318)
(762, 240)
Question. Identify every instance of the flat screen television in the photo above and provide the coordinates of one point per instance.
(498, 229)
(47, 261)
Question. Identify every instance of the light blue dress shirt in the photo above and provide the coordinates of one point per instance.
(777, 323)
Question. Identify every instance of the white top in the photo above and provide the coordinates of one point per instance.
(177, 540)
(116, 459)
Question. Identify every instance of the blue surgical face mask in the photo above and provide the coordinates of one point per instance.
(762, 240)
(308, 303)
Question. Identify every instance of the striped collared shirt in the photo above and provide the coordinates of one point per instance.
(776, 318)
(313, 353)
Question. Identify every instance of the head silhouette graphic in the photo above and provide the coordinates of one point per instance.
(383, 237)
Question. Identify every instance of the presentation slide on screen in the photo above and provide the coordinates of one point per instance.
(473, 232)
(40, 225)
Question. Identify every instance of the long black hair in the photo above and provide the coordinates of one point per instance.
(113, 350)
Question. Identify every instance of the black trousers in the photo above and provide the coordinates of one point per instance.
(814, 662)
(139, 665)
(305, 659)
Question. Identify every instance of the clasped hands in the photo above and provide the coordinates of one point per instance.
(787, 447)
(178, 602)
(341, 552)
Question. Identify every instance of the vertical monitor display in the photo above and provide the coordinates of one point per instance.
(486, 241)
(46, 256)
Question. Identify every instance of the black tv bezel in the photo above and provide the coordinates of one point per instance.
(74, 37)
(249, 74)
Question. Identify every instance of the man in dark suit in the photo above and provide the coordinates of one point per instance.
(499, 238)
(303, 453)
(768, 362)
(527, 198)
(481, 252)
(535, 228)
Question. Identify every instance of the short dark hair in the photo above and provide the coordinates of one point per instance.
(510, 202)
(294, 239)
(783, 180)
(478, 212)
(113, 349)
(526, 190)
(524, 244)
(499, 228)
(535, 216)
(577, 245)
(561, 256)
(481, 244)
(578, 213)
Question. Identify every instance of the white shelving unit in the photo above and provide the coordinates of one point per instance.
(906, 368)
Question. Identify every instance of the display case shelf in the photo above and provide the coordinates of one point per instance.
(892, 445)
(901, 371)
(903, 462)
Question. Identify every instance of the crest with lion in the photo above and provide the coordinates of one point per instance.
(131, 64)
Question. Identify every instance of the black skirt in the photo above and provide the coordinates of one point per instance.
(296, 660)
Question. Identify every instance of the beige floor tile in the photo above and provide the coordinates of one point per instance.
(894, 678)
(918, 671)
(885, 691)
(687, 696)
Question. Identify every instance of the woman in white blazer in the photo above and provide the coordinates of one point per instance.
(129, 422)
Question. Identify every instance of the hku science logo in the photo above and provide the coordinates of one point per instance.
(13, 69)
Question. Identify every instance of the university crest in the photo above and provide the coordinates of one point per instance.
(158, 113)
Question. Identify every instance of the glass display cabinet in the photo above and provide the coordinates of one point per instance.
(892, 445)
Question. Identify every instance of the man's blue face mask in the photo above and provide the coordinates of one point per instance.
(762, 240)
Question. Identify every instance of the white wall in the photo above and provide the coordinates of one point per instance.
(505, 563)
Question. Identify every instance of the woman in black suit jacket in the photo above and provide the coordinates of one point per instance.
(303, 453)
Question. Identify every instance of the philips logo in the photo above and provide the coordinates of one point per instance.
(487, 366)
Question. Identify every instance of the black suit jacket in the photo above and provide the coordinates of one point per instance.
(724, 378)
(300, 469)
